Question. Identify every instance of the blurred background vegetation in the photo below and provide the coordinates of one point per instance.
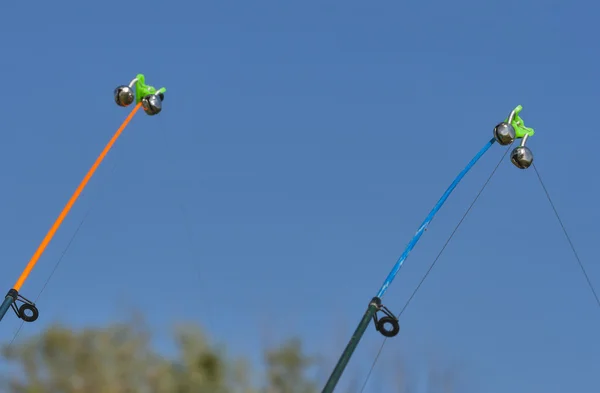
(119, 358)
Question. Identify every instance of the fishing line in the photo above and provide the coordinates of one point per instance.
(583, 270)
(72, 239)
(386, 322)
(183, 210)
(63, 254)
(145, 96)
(42, 247)
(431, 266)
(27, 311)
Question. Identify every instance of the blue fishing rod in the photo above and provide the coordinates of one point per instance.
(388, 325)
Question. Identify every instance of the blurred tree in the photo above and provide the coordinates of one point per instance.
(120, 359)
(117, 359)
(202, 368)
(287, 369)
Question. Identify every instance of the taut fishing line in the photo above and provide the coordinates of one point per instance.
(583, 270)
(144, 96)
(64, 251)
(431, 266)
(183, 209)
(572, 246)
(386, 323)
(54, 269)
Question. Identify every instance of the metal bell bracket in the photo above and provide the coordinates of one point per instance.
(142, 89)
(517, 122)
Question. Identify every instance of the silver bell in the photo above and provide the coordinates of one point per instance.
(152, 104)
(124, 95)
(504, 133)
(521, 157)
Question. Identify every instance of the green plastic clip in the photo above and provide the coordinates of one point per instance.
(519, 125)
(142, 89)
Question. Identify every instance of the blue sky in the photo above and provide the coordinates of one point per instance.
(300, 146)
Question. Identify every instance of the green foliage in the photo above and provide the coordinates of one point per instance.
(120, 359)
(287, 367)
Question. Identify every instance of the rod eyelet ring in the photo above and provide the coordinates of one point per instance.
(24, 308)
(382, 326)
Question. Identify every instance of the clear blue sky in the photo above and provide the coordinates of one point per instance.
(300, 146)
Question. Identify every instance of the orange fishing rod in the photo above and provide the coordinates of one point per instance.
(148, 98)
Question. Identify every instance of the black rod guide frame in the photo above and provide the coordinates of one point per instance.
(381, 324)
(24, 308)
